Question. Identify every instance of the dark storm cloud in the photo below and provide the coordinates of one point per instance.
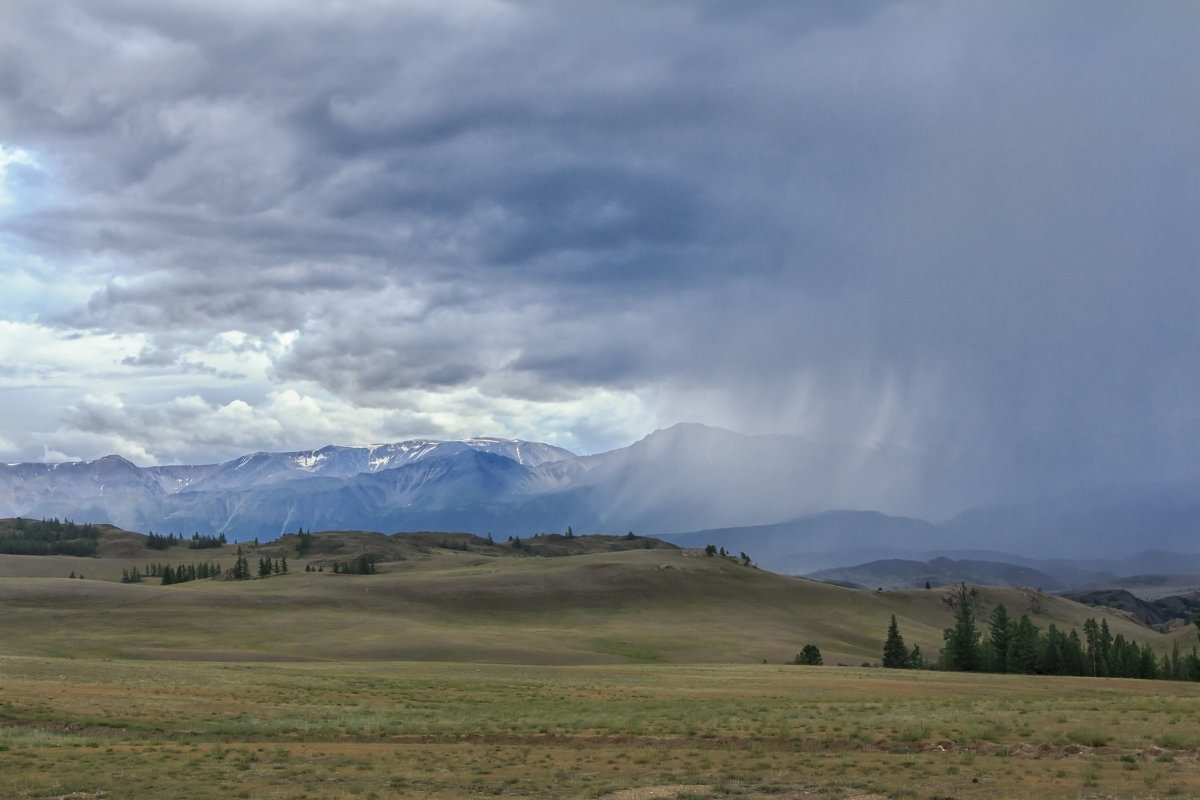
(966, 229)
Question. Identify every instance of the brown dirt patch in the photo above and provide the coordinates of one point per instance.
(650, 792)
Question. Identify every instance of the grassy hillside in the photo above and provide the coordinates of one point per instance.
(109, 689)
(456, 597)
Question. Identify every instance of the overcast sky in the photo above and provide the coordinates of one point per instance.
(970, 231)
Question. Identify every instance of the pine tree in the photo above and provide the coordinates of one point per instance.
(999, 635)
(1149, 667)
(962, 640)
(915, 659)
(1074, 661)
(1091, 636)
(895, 654)
(1023, 647)
(1050, 657)
(1105, 646)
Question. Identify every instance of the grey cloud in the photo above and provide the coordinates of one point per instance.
(969, 228)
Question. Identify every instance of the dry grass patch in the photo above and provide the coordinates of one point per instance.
(391, 730)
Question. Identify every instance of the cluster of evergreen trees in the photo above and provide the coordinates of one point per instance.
(199, 542)
(49, 537)
(809, 655)
(363, 565)
(896, 655)
(303, 542)
(180, 573)
(1019, 646)
(189, 572)
(241, 567)
(268, 567)
(156, 541)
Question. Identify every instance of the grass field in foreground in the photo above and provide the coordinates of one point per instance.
(129, 729)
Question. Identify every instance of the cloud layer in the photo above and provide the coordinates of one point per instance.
(965, 230)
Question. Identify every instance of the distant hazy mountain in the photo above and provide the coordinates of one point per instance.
(1088, 527)
(691, 484)
(823, 540)
(685, 477)
(1062, 547)
(896, 573)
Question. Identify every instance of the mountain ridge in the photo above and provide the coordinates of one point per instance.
(793, 504)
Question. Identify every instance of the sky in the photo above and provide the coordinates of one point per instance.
(962, 231)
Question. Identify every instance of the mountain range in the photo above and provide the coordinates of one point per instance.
(792, 504)
(681, 478)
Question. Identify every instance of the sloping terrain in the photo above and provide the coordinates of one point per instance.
(439, 596)
(1171, 611)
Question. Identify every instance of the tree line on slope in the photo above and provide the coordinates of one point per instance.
(48, 537)
(1019, 646)
(157, 541)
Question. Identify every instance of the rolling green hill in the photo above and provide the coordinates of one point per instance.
(456, 597)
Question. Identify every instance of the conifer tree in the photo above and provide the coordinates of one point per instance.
(962, 640)
(1091, 637)
(915, 659)
(1023, 647)
(999, 635)
(1074, 662)
(1105, 646)
(895, 654)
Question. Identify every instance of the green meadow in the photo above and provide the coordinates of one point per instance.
(471, 672)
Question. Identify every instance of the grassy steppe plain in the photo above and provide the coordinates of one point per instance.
(606, 675)
(126, 729)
